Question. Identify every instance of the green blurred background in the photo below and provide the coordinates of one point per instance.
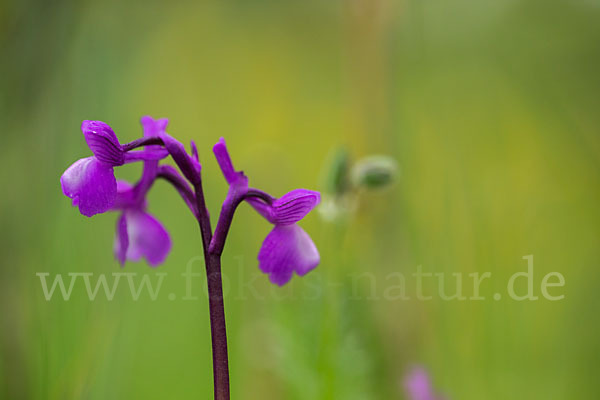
(491, 109)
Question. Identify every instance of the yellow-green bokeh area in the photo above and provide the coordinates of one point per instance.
(489, 107)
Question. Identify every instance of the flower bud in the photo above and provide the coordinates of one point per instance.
(374, 172)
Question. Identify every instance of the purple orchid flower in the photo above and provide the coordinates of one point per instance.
(92, 186)
(418, 385)
(90, 181)
(287, 248)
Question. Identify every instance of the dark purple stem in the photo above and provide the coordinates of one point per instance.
(215, 301)
(212, 256)
(226, 217)
(212, 245)
(212, 261)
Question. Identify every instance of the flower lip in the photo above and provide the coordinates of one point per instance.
(91, 184)
(103, 142)
(285, 250)
(139, 234)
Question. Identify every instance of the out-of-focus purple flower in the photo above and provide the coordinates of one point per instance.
(418, 385)
(139, 234)
(152, 128)
(90, 182)
(287, 248)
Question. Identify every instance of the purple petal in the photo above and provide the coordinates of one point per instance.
(224, 160)
(231, 175)
(147, 238)
(287, 248)
(91, 184)
(153, 127)
(103, 142)
(293, 206)
(126, 196)
(123, 186)
(121, 240)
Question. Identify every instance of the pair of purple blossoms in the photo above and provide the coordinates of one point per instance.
(91, 184)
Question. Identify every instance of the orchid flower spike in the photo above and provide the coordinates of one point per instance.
(91, 184)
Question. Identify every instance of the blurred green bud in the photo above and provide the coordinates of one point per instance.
(336, 181)
(374, 172)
